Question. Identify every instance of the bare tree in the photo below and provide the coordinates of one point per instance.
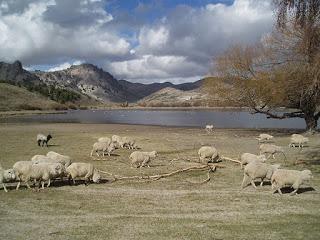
(281, 71)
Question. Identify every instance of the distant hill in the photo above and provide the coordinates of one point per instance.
(171, 97)
(87, 82)
(98, 84)
(17, 98)
(15, 73)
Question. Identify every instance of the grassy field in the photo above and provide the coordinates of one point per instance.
(16, 98)
(170, 208)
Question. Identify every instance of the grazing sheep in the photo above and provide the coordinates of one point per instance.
(249, 157)
(52, 158)
(291, 178)
(141, 159)
(271, 150)
(128, 142)
(63, 159)
(209, 153)
(21, 170)
(209, 128)
(256, 170)
(6, 176)
(298, 140)
(103, 147)
(116, 138)
(86, 170)
(41, 171)
(43, 140)
(263, 137)
(104, 139)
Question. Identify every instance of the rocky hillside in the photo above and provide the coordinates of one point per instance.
(171, 97)
(15, 73)
(89, 80)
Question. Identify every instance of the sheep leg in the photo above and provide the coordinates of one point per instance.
(42, 184)
(91, 153)
(18, 185)
(244, 181)
(4, 187)
(273, 156)
(252, 183)
(294, 192)
(39, 141)
(261, 184)
(28, 186)
(279, 191)
(49, 182)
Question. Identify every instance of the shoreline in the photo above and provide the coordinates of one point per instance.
(275, 130)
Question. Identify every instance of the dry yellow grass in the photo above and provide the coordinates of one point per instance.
(170, 208)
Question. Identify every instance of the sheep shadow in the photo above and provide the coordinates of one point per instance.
(288, 190)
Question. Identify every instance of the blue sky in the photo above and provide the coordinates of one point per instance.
(137, 40)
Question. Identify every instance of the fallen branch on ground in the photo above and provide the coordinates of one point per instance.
(230, 159)
(210, 167)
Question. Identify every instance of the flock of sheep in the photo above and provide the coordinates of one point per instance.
(256, 168)
(45, 168)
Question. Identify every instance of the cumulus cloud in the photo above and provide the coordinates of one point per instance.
(33, 36)
(178, 46)
(192, 37)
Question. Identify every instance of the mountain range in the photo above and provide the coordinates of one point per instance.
(87, 79)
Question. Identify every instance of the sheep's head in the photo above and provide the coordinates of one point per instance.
(96, 176)
(49, 137)
(306, 175)
(153, 154)
(262, 158)
(60, 169)
(305, 140)
(9, 175)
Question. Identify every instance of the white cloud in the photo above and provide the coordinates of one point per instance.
(149, 67)
(185, 42)
(64, 66)
(180, 45)
(28, 37)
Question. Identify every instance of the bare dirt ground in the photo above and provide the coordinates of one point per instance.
(172, 208)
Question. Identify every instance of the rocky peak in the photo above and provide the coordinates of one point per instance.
(15, 73)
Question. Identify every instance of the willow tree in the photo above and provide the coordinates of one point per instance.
(283, 70)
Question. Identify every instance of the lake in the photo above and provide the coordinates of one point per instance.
(185, 118)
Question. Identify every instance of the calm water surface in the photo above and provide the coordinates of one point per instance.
(190, 118)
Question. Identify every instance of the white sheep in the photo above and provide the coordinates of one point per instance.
(63, 159)
(263, 137)
(298, 140)
(246, 158)
(255, 170)
(141, 159)
(271, 150)
(116, 138)
(38, 172)
(128, 142)
(86, 170)
(105, 139)
(290, 178)
(21, 170)
(207, 154)
(6, 176)
(43, 139)
(209, 128)
(103, 147)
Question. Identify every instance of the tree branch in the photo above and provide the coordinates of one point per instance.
(269, 114)
(211, 167)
